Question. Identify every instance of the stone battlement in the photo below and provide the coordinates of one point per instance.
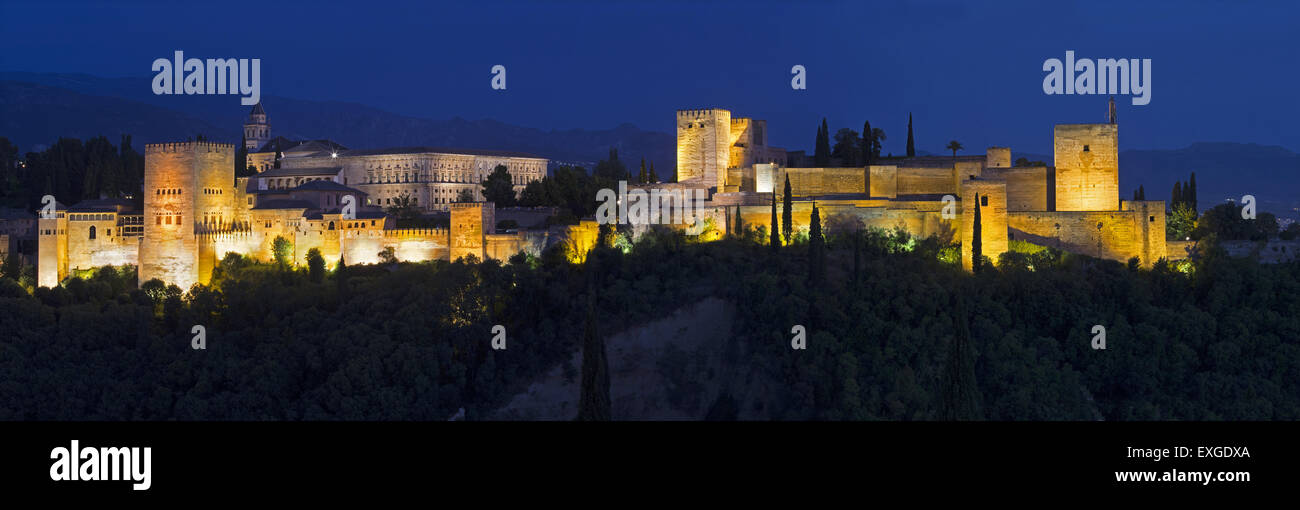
(699, 114)
(156, 148)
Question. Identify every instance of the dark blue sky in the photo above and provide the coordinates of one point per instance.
(1222, 71)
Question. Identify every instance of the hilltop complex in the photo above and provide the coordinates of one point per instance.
(320, 194)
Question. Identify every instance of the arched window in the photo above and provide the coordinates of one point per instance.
(331, 225)
(92, 231)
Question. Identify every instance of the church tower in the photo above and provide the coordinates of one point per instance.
(256, 131)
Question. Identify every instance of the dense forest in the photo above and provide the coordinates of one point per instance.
(895, 330)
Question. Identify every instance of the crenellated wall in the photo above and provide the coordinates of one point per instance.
(1136, 231)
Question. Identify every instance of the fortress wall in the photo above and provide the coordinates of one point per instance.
(1087, 167)
(1079, 232)
(409, 245)
(504, 246)
(1149, 226)
(108, 248)
(920, 219)
(1027, 186)
(993, 219)
(883, 181)
(809, 182)
(924, 181)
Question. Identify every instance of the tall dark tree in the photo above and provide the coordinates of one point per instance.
(816, 248)
(594, 401)
(1142, 193)
(241, 157)
(1177, 196)
(1191, 192)
(315, 266)
(278, 156)
(740, 224)
(654, 178)
(868, 145)
(911, 142)
(960, 392)
(847, 147)
(642, 177)
(498, 187)
(977, 244)
(787, 215)
(822, 153)
(776, 228)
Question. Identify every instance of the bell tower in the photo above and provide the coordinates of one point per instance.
(256, 131)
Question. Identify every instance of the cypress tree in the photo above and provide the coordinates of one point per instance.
(775, 241)
(653, 177)
(1191, 192)
(593, 402)
(1177, 196)
(961, 396)
(642, 177)
(1142, 193)
(340, 275)
(815, 248)
(911, 145)
(241, 158)
(740, 224)
(867, 144)
(822, 154)
(977, 244)
(787, 215)
(278, 155)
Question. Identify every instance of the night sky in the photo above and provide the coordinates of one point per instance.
(1222, 71)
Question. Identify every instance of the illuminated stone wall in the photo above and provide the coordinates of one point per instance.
(1027, 186)
(811, 182)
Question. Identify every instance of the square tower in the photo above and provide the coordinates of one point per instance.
(1087, 167)
(183, 184)
(991, 196)
(470, 221)
(704, 146)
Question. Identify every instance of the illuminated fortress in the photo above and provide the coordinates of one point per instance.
(195, 211)
(321, 195)
(1073, 205)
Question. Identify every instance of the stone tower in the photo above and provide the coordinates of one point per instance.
(256, 131)
(1087, 167)
(52, 250)
(470, 221)
(184, 185)
(704, 146)
(993, 219)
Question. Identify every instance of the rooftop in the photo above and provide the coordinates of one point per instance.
(439, 150)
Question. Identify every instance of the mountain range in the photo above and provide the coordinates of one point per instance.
(37, 108)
